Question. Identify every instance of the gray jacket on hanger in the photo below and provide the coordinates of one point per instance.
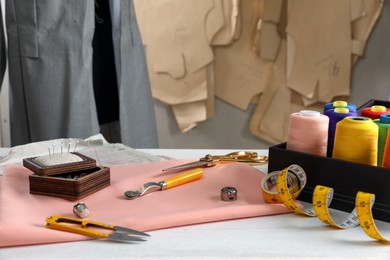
(50, 72)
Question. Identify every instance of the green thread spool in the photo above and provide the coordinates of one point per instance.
(386, 153)
(384, 124)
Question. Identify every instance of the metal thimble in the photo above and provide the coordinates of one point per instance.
(229, 194)
(80, 210)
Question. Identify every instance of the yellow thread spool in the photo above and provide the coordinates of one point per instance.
(340, 103)
(378, 109)
(356, 140)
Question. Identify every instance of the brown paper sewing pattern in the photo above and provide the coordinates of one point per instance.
(283, 55)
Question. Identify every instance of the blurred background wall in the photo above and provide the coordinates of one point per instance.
(229, 127)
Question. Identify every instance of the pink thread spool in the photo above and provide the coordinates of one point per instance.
(308, 132)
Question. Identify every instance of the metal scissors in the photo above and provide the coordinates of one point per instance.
(81, 226)
(251, 158)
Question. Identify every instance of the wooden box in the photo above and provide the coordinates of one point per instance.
(73, 180)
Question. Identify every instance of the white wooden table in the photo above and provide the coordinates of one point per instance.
(287, 236)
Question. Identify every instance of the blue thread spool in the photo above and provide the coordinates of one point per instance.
(335, 115)
(339, 103)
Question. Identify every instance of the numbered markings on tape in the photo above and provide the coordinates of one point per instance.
(322, 197)
(364, 203)
(290, 182)
(282, 185)
(271, 195)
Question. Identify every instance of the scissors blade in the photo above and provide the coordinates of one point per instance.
(123, 237)
(187, 166)
(129, 231)
(127, 235)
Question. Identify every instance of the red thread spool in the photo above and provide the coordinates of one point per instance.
(375, 112)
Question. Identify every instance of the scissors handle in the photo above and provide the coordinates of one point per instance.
(241, 156)
(78, 226)
(251, 158)
(183, 178)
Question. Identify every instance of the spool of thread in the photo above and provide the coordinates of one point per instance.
(384, 124)
(339, 103)
(356, 140)
(308, 132)
(374, 112)
(335, 115)
(386, 152)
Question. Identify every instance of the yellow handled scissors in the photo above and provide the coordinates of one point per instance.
(251, 158)
(85, 227)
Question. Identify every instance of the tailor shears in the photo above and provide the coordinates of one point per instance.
(251, 158)
(85, 227)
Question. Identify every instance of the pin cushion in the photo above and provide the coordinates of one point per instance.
(70, 175)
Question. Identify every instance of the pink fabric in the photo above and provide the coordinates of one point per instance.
(22, 215)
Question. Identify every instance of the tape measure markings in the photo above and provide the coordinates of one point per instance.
(284, 193)
(322, 197)
(352, 200)
(270, 182)
(286, 182)
(364, 204)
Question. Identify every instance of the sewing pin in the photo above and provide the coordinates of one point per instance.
(69, 142)
(75, 146)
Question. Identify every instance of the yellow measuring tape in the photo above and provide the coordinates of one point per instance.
(269, 183)
(322, 197)
(290, 182)
(364, 203)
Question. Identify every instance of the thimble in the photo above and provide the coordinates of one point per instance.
(229, 194)
(80, 210)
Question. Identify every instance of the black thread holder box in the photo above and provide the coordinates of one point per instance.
(346, 178)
